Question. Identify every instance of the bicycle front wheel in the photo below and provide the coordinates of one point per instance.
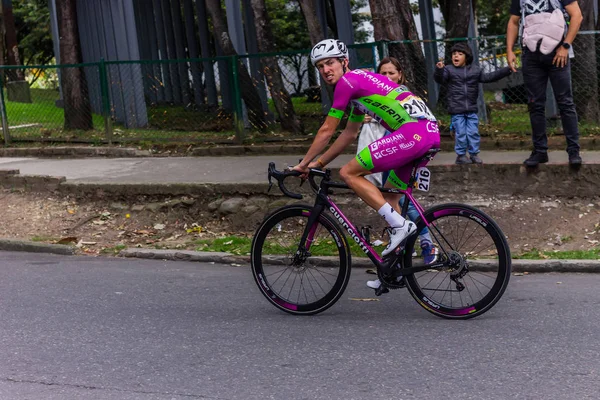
(305, 280)
(473, 266)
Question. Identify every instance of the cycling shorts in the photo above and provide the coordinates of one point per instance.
(397, 151)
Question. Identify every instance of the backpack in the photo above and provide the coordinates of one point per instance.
(548, 37)
(556, 4)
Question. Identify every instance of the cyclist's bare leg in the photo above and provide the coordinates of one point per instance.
(392, 198)
(353, 174)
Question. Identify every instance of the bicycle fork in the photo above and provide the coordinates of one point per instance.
(308, 236)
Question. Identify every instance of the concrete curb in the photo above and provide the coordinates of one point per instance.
(587, 266)
(293, 146)
(536, 266)
(34, 247)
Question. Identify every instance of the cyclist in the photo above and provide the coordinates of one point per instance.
(413, 126)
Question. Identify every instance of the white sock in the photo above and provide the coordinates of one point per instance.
(390, 215)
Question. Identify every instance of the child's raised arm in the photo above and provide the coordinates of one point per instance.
(440, 75)
(494, 76)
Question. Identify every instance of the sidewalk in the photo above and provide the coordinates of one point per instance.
(232, 169)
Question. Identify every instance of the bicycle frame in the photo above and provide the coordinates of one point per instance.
(323, 201)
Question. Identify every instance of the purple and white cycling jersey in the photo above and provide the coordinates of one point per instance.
(413, 126)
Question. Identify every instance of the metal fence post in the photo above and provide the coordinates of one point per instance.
(238, 116)
(105, 100)
(385, 49)
(5, 131)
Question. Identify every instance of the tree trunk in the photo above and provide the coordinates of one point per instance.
(309, 10)
(583, 68)
(249, 93)
(2, 34)
(393, 20)
(12, 47)
(456, 14)
(266, 44)
(78, 112)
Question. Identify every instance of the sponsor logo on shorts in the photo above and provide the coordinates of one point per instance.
(385, 152)
(417, 137)
(386, 140)
(407, 146)
(432, 127)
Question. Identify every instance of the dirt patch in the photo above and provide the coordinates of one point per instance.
(104, 226)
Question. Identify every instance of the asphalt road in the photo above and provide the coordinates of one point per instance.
(98, 328)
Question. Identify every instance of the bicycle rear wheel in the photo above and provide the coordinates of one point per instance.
(300, 281)
(473, 266)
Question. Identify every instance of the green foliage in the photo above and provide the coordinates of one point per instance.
(241, 246)
(492, 16)
(290, 30)
(535, 254)
(288, 25)
(42, 112)
(361, 32)
(32, 23)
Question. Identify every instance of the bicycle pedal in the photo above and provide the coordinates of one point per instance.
(381, 290)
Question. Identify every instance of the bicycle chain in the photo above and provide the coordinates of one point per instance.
(391, 285)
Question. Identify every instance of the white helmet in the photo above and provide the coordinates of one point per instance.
(328, 48)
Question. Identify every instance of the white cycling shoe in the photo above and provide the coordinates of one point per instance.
(374, 284)
(397, 236)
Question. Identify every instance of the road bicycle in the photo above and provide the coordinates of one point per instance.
(293, 265)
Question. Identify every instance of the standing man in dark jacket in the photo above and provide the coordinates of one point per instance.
(463, 80)
(546, 53)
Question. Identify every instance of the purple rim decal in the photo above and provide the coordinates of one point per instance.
(447, 211)
(430, 305)
(462, 311)
(286, 305)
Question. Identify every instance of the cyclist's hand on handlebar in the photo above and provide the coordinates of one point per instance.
(303, 169)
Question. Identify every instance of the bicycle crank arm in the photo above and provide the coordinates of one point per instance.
(418, 268)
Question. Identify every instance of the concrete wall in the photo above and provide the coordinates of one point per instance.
(107, 30)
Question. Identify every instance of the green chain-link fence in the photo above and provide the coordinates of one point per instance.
(230, 98)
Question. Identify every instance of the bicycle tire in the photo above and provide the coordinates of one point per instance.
(459, 230)
(321, 280)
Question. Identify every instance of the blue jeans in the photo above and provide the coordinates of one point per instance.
(466, 128)
(413, 214)
(537, 70)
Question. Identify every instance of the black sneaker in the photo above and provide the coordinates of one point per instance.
(476, 159)
(574, 158)
(536, 158)
(462, 159)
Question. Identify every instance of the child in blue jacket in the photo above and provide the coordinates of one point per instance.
(463, 80)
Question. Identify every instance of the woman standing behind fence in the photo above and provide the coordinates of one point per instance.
(372, 131)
